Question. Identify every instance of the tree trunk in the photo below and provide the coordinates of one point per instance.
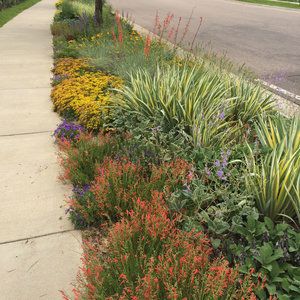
(98, 12)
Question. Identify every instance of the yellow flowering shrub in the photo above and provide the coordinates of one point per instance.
(85, 96)
(70, 67)
(58, 3)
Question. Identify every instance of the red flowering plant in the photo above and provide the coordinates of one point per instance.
(116, 183)
(104, 182)
(148, 257)
(80, 160)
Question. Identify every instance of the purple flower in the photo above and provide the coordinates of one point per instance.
(222, 115)
(80, 191)
(68, 131)
(217, 163)
(220, 174)
(225, 157)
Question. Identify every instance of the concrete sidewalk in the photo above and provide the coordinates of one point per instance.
(39, 250)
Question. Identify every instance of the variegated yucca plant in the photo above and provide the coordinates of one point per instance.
(248, 101)
(204, 100)
(176, 94)
(273, 131)
(275, 180)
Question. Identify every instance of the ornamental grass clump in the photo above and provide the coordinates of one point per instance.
(273, 131)
(177, 95)
(83, 95)
(148, 257)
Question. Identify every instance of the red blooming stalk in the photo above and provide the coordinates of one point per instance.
(157, 25)
(119, 27)
(176, 31)
(196, 33)
(187, 26)
(147, 46)
(170, 33)
(166, 23)
(113, 35)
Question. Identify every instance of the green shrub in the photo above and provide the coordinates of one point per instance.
(150, 142)
(64, 48)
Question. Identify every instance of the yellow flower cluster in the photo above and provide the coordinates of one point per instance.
(58, 3)
(135, 36)
(70, 67)
(86, 96)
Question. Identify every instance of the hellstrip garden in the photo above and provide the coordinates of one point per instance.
(186, 179)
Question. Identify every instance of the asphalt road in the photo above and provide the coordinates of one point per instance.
(266, 39)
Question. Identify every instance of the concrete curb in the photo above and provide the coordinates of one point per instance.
(280, 91)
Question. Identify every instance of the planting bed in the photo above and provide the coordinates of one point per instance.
(186, 180)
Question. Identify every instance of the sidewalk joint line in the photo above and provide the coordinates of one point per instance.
(36, 237)
(25, 133)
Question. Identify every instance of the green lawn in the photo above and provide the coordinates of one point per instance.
(273, 3)
(9, 13)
